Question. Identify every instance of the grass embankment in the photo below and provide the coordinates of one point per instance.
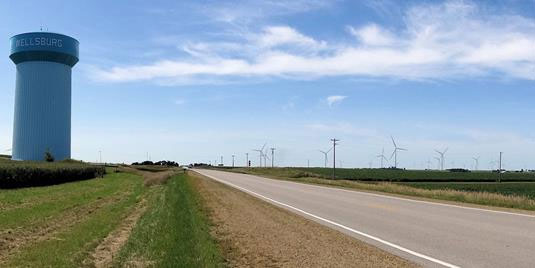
(68, 225)
(519, 195)
(174, 232)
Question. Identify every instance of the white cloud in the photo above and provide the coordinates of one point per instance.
(283, 35)
(373, 35)
(334, 99)
(451, 40)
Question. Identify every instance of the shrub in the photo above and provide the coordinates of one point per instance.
(48, 156)
(25, 174)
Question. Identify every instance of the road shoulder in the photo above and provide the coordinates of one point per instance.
(253, 232)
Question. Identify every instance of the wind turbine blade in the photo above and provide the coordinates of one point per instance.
(445, 150)
(402, 149)
(263, 146)
(439, 152)
(393, 153)
(329, 149)
(395, 146)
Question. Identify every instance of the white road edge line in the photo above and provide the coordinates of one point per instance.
(400, 198)
(414, 253)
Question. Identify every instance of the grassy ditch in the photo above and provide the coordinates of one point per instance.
(519, 195)
(174, 232)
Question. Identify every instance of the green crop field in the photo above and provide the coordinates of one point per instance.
(14, 174)
(398, 175)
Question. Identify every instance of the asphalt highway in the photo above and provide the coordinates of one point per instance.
(428, 233)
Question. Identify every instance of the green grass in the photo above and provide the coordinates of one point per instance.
(174, 232)
(80, 213)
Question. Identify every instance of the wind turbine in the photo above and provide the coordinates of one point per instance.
(476, 159)
(438, 162)
(272, 156)
(442, 157)
(395, 152)
(325, 154)
(266, 157)
(261, 154)
(382, 156)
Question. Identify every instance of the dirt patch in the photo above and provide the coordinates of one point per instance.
(110, 246)
(255, 233)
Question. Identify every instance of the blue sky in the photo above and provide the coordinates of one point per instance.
(191, 81)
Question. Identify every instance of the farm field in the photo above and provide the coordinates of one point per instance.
(86, 223)
(399, 175)
(15, 174)
(517, 191)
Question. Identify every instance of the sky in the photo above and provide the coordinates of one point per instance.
(192, 81)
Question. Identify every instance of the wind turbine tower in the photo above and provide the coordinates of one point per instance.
(442, 157)
(272, 157)
(325, 155)
(476, 162)
(261, 154)
(438, 162)
(382, 156)
(395, 152)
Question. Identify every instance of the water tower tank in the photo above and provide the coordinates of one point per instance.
(42, 94)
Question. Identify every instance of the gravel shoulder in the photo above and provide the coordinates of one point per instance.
(255, 233)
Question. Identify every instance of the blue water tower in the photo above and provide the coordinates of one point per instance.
(43, 95)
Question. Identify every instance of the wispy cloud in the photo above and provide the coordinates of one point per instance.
(455, 39)
(331, 100)
(239, 11)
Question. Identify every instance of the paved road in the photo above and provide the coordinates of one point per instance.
(431, 234)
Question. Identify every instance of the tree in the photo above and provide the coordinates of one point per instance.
(48, 156)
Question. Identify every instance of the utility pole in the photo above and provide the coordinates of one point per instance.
(222, 161)
(334, 157)
(500, 170)
(233, 160)
(246, 159)
(272, 157)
